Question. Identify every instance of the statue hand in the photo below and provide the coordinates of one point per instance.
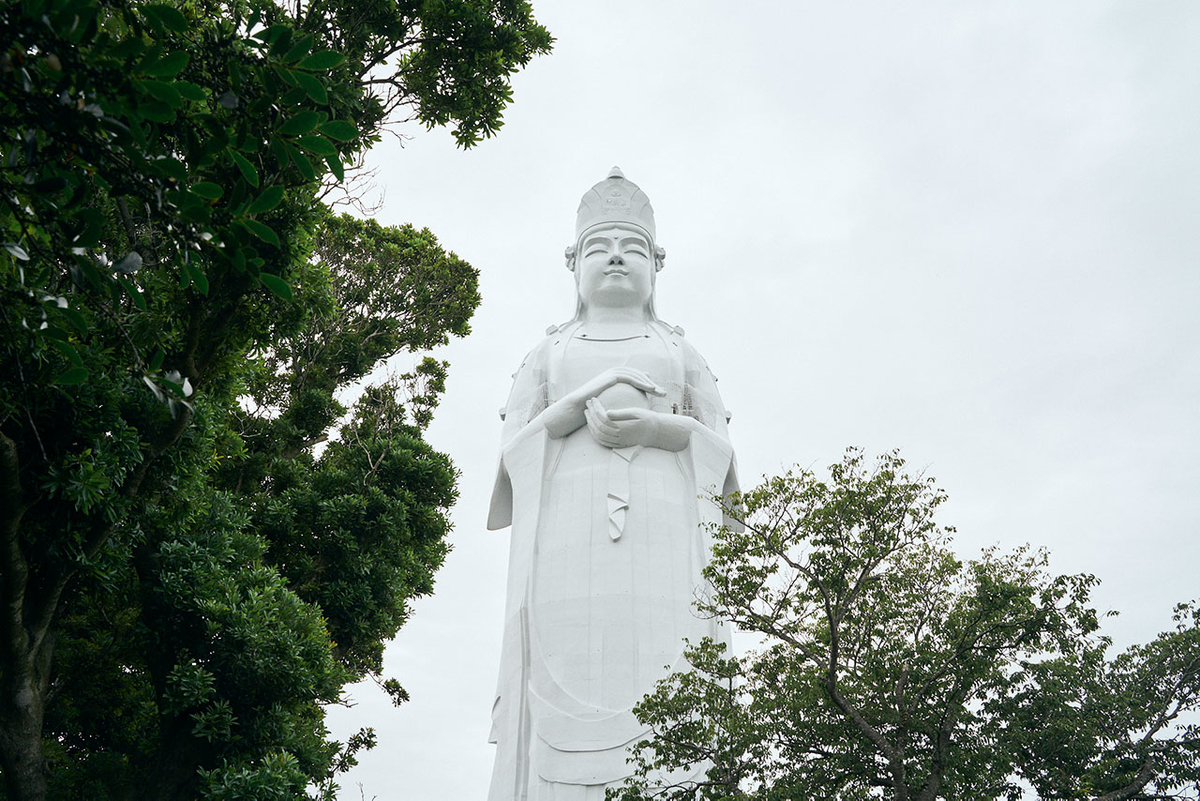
(620, 375)
(568, 414)
(624, 428)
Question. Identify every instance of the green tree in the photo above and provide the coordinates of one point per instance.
(178, 313)
(1086, 726)
(889, 668)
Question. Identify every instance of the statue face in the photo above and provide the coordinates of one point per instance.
(615, 267)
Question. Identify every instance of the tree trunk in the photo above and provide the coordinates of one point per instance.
(22, 707)
(174, 768)
(24, 655)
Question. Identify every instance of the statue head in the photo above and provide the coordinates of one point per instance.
(615, 220)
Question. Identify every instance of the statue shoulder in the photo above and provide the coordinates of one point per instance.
(668, 330)
(674, 334)
(536, 358)
(554, 332)
(528, 395)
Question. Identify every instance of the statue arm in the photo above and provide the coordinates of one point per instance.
(569, 413)
(623, 428)
(627, 427)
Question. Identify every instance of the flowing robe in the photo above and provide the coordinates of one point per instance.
(606, 552)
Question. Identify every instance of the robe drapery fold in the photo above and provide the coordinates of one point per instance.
(604, 564)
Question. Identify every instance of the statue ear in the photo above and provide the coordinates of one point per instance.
(660, 256)
(569, 254)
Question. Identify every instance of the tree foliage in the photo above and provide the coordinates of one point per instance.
(889, 668)
(1085, 726)
(184, 579)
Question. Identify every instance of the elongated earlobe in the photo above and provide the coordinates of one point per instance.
(569, 255)
(660, 256)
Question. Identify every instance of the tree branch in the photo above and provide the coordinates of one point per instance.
(1143, 778)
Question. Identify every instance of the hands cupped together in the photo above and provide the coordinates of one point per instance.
(622, 428)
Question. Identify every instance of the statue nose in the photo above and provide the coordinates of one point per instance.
(616, 259)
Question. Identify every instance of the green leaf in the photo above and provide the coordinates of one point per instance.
(89, 270)
(167, 66)
(175, 386)
(132, 291)
(75, 319)
(191, 91)
(74, 375)
(93, 226)
(335, 164)
(67, 350)
(207, 189)
(168, 17)
(171, 167)
(277, 285)
(293, 97)
(249, 144)
(302, 163)
(260, 230)
(301, 123)
(299, 49)
(281, 39)
(197, 276)
(279, 149)
(156, 111)
(157, 359)
(196, 213)
(272, 33)
(284, 75)
(269, 199)
(127, 49)
(317, 144)
(162, 91)
(339, 129)
(313, 87)
(247, 169)
(322, 60)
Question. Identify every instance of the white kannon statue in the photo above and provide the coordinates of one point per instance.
(614, 439)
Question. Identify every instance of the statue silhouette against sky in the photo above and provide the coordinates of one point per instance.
(614, 436)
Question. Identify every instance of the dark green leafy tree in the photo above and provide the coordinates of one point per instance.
(179, 316)
(1083, 726)
(891, 669)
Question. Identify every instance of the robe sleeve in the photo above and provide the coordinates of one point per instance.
(709, 409)
(529, 396)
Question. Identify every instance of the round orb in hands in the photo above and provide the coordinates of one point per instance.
(623, 396)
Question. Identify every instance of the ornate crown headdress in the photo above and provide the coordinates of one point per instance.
(616, 199)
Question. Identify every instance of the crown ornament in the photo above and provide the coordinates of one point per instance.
(616, 199)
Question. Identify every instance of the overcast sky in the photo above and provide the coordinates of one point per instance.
(970, 231)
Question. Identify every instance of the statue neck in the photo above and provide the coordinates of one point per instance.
(614, 322)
